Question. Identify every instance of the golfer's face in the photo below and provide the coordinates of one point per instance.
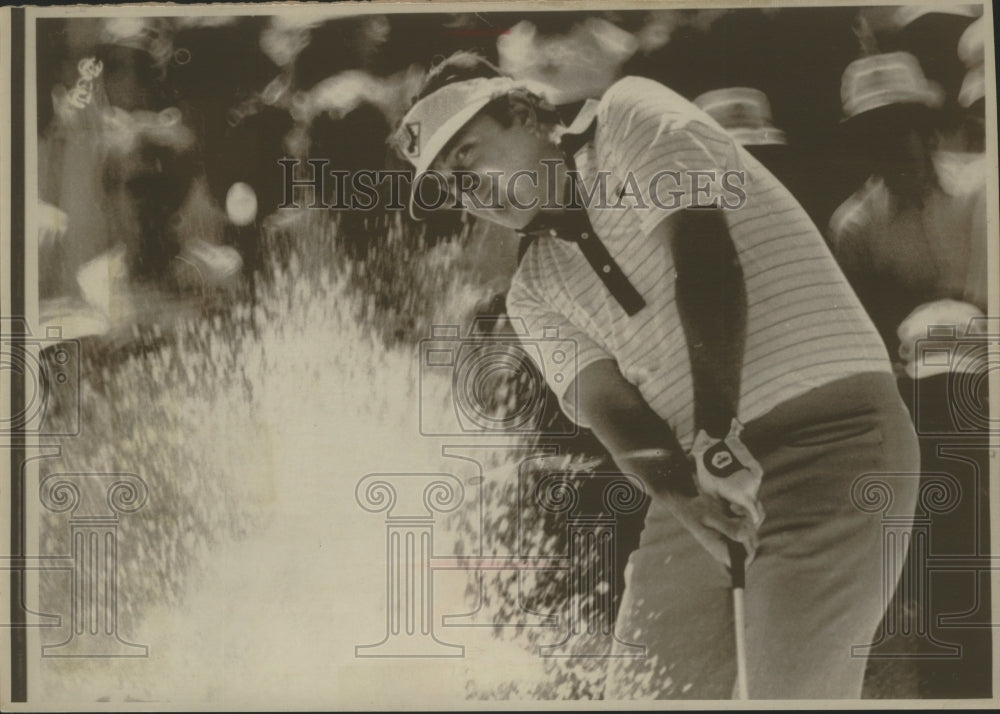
(504, 164)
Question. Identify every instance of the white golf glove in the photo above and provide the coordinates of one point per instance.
(727, 470)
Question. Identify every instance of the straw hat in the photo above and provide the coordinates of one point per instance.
(973, 86)
(744, 112)
(882, 80)
(907, 14)
(972, 43)
(971, 50)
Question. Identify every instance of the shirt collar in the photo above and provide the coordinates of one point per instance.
(584, 117)
(569, 137)
(567, 224)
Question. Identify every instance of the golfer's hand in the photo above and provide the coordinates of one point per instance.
(726, 470)
(713, 524)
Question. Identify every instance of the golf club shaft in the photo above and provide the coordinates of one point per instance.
(741, 645)
(737, 559)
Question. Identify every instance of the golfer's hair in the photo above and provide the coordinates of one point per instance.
(459, 67)
(462, 66)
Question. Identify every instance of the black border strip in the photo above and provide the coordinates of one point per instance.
(18, 631)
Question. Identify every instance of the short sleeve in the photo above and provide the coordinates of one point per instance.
(668, 154)
(558, 347)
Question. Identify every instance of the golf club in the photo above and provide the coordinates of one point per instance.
(737, 559)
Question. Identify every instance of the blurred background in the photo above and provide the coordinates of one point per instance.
(164, 167)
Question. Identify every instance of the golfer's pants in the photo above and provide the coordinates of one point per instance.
(841, 472)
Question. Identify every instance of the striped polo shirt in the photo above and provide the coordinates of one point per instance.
(805, 326)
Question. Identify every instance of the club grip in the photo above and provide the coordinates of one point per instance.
(737, 559)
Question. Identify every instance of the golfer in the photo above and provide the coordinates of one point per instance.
(798, 364)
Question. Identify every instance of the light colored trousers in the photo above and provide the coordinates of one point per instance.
(816, 586)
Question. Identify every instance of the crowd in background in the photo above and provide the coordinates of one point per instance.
(160, 140)
(160, 137)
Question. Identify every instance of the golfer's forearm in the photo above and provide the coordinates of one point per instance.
(711, 302)
(664, 473)
(638, 440)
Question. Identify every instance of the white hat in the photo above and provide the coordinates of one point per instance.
(154, 36)
(973, 86)
(432, 122)
(882, 80)
(139, 33)
(579, 64)
(906, 14)
(971, 50)
(744, 112)
(972, 43)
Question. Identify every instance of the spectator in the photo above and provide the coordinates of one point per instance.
(122, 168)
(930, 33)
(231, 93)
(746, 114)
(919, 220)
(972, 95)
(74, 226)
(912, 241)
